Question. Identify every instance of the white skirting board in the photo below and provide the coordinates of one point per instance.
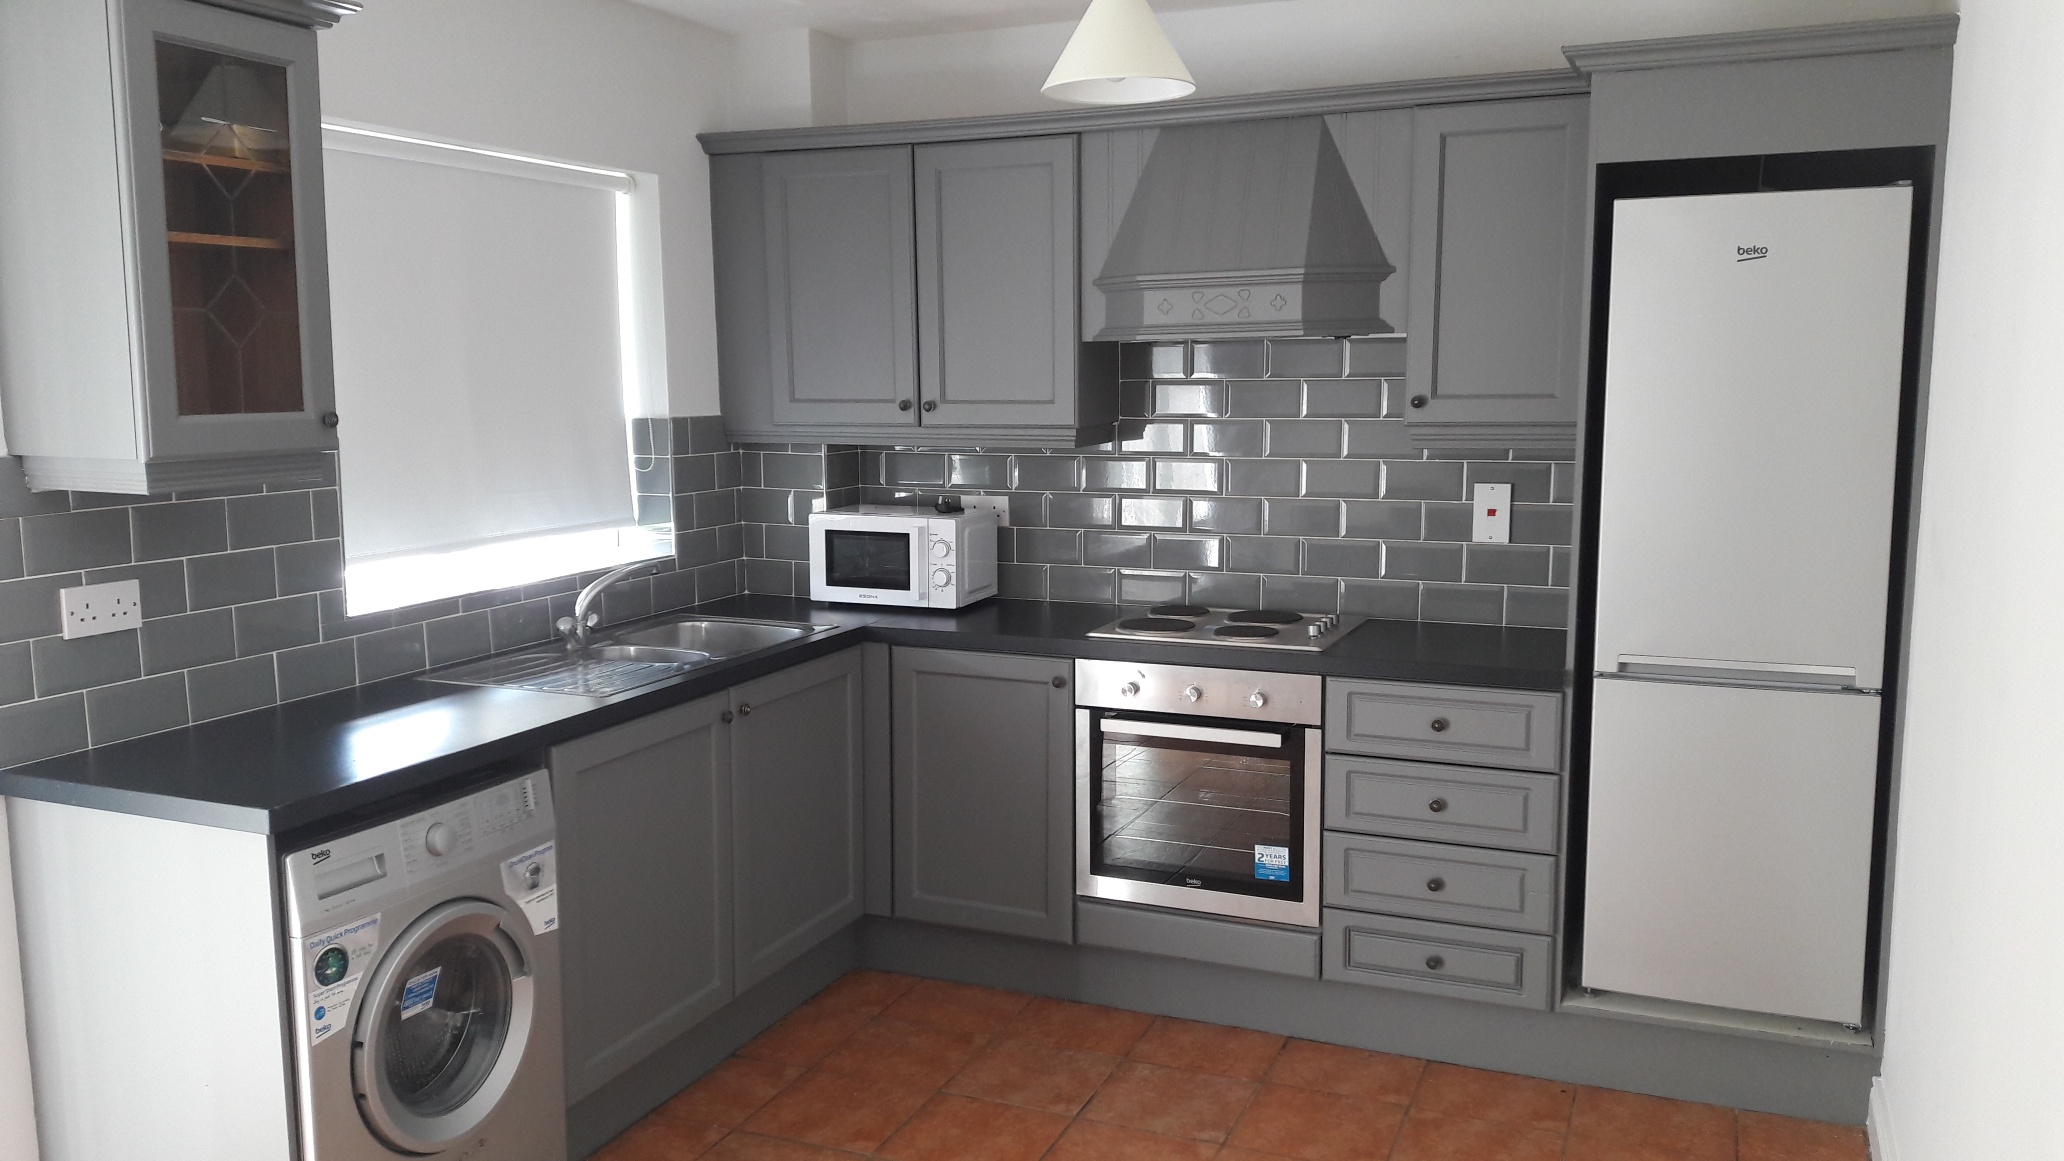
(1878, 1123)
(17, 1099)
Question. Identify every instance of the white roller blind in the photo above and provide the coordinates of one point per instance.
(474, 304)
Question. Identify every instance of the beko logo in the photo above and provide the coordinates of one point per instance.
(318, 858)
(1751, 253)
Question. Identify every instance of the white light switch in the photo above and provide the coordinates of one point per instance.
(91, 610)
(1492, 523)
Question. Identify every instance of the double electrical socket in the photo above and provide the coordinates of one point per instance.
(91, 610)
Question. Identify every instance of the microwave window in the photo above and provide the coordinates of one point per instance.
(867, 560)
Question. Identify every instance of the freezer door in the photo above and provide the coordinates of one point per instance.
(1730, 846)
(1751, 427)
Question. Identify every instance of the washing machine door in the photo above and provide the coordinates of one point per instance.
(446, 1021)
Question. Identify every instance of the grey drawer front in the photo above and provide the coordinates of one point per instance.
(1450, 804)
(1440, 958)
(1445, 723)
(1435, 881)
(1289, 951)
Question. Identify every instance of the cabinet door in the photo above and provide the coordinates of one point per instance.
(796, 810)
(996, 262)
(1497, 277)
(841, 286)
(985, 792)
(229, 240)
(645, 864)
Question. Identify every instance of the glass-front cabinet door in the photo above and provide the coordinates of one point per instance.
(227, 145)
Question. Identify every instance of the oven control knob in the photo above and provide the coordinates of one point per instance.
(942, 548)
(1193, 693)
(942, 578)
(1129, 689)
(1257, 699)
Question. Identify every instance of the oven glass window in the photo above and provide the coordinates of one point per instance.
(867, 560)
(1213, 814)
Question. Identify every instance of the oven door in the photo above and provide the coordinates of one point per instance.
(873, 561)
(1201, 814)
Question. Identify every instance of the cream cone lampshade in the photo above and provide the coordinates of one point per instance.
(1119, 56)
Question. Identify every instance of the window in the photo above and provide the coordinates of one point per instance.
(486, 311)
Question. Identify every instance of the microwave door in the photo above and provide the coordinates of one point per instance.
(868, 561)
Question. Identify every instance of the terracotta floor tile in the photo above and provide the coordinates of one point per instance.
(837, 1111)
(1705, 1131)
(1317, 1126)
(1036, 1076)
(959, 1007)
(657, 1140)
(1230, 1153)
(752, 1147)
(953, 1128)
(1089, 1027)
(1091, 1141)
(863, 990)
(1590, 1150)
(1240, 1052)
(1373, 1076)
(729, 1093)
(899, 1052)
(1430, 1137)
(805, 1036)
(1495, 1096)
(1771, 1138)
(1172, 1101)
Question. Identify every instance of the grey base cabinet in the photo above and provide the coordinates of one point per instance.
(984, 792)
(796, 810)
(646, 875)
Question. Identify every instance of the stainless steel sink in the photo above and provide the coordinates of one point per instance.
(711, 637)
(627, 660)
(649, 654)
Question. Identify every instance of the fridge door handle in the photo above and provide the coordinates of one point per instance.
(1761, 674)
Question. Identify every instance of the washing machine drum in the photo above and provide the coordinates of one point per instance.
(443, 1031)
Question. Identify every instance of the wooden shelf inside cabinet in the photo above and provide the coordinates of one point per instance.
(221, 161)
(237, 240)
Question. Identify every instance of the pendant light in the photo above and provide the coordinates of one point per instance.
(1119, 56)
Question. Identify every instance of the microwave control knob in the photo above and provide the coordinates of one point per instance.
(1257, 699)
(1193, 693)
(942, 578)
(1129, 689)
(942, 549)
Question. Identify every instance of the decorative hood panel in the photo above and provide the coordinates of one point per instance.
(1244, 230)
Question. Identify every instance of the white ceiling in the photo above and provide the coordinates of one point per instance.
(882, 19)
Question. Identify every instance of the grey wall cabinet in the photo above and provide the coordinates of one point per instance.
(164, 309)
(646, 868)
(985, 792)
(1496, 290)
(796, 799)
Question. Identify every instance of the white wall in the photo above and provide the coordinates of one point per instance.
(1302, 44)
(604, 82)
(1973, 1066)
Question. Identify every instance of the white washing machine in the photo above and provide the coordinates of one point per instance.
(425, 955)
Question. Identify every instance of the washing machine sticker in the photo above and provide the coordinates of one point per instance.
(532, 879)
(337, 960)
(419, 995)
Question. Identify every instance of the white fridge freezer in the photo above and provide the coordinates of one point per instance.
(1745, 528)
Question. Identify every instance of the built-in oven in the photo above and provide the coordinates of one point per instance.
(1198, 789)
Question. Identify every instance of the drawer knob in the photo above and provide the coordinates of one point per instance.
(1060, 683)
(1437, 805)
(931, 405)
(329, 419)
(1435, 963)
(1436, 884)
(1418, 401)
(727, 715)
(1440, 725)
(902, 404)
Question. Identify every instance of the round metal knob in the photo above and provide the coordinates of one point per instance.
(438, 840)
(931, 405)
(1129, 689)
(942, 549)
(1436, 884)
(1418, 401)
(1435, 963)
(941, 578)
(1440, 725)
(1437, 805)
(727, 716)
(329, 419)
(1257, 699)
(1060, 683)
(745, 711)
(1193, 693)
(902, 404)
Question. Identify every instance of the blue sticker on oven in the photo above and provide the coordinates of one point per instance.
(1272, 863)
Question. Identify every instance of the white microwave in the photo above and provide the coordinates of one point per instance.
(884, 554)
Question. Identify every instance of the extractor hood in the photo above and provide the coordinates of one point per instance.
(1250, 229)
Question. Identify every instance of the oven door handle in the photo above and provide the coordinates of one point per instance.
(1187, 733)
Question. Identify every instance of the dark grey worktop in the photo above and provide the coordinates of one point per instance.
(314, 765)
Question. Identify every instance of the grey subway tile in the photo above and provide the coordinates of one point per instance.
(17, 500)
(1225, 514)
(1151, 588)
(1136, 400)
(1225, 590)
(1391, 600)
(69, 541)
(17, 674)
(1384, 519)
(1343, 478)
(1485, 454)
(427, 611)
(309, 567)
(1404, 560)
(1027, 509)
(842, 468)
(1189, 475)
(390, 653)
(1198, 553)
(270, 626)
(1465, 604)
(652, 475)
(1423, 480)
(1301, 594)
(1303, 518)
(161, 584)
(1152, 512)
(1073, 583)
(1507, 564)
(329, 519)
(1154, 360)
(772, 578)
(1080, 511)
(1121, 549)
(1113, 475)
(184, 642)
(1379, 439)
(64, 666)
(1049, 545)
(274, 518)
(978, 471)
(1344, 399)
(1280, 554)
(1264, 400)
(1043, 473)
(786, 542)
(1021, 582)
(697, 546)
(716, 509)
(1344, 558)
(791, 470)
(1383, 356)
(1163, 437)
(1301, 438)
(1265, 477)
(649, 436)
(459, 638)
(526, 623)
(1236, 359)
(218, 691)
(1229, 437)
(726, 464)
(1397, 398)
(132, 709)
(1306, 358)
(1531, 483)
(1200, 399)
(34, 730)
(692, 474)
(758, 505)
(913, 469)
(10, 549)
(1563, 490)
(29, 608)
(1545, 608)
(1559, 567)
(717, 581)
(1541, 523)
(1450, 522)
(705, 435)
(230, 578)
(316, 669)
(670, 591)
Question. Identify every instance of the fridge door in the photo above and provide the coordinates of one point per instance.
(1751, 428)
(1730, 846)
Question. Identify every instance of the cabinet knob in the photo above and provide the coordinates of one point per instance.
(1129, 689)
(931, 405)
(1437, 805)
(1440, 725)
(1193, 693)
(329, 419)
(1436, 884)
(1060, 683)
(1257, 699)
(745, 711)
(1418, 401)
(1435, 963)
(902, 404)
(726, 716)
